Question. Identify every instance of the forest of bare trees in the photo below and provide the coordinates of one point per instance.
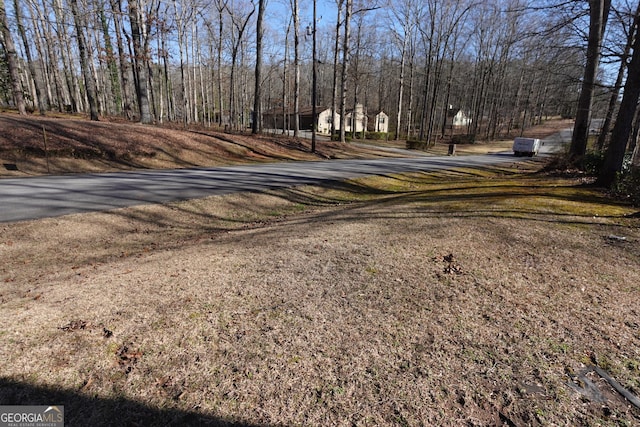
(507, 64)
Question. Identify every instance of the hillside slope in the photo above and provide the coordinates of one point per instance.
(74, 144)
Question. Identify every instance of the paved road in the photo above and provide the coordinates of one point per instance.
(50, 196)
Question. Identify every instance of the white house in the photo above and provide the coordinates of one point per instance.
(275, 118)
(456, 117)
(380, 123)
(324, 121)
(355, 119)
(359, 121)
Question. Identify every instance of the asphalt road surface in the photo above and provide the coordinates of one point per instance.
(50, 196)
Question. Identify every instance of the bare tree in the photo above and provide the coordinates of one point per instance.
(465, 53)
(66, 56)
(336, 52)
(344, 68)
(116, 8)
(12, 61)
(90, 83)
(403, 13)
(239, 23)
(285, 85)
(296, 67)
(221, 6)
(27, 50)
(46, 46)
(110, 57)
(598, 14)
(614, 156)
(257, 109)
(181, 15)
(140, 48)
(615, 92)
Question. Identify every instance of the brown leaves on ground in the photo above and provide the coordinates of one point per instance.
(75, 144)
(127, 358)
(74, 325)
(452, 265)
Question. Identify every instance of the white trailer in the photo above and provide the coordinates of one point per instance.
(526, 146)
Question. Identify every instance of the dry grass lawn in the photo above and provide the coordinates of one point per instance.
(470, 298)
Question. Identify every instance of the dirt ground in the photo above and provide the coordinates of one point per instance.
(479, 297)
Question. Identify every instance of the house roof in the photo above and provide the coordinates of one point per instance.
(451, 112)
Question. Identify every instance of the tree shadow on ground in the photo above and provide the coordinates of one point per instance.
(468, 194)
(563, 202)
(527, 199)
(83, 410)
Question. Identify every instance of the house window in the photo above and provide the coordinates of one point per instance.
(381, 120)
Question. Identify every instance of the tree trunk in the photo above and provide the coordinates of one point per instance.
(135, 15)
(635, 156)
(598, 14)
(257, 98)
(425, 91)
(116, 7)
(355, 69)
(89, 82)
(296, 66)
(334, 93)
(314, 82)
(67, 61)
(614, 156)
(343, 71)
(150, 88)
(220, 7)
(401, 84)
(98, 79)
(194, 79)
(48, 45)
(12, 61)
(410, 115)
(112, 64)
(27, 51)
(285, 86)
(240, 23)
(613, 100)
(186, 110)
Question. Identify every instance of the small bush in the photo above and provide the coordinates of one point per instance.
(592, 162)
(336, 137)
(417, 145)
(463, 139)
(627, 185)
(377, 136)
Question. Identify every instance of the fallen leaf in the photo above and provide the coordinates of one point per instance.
(74, 325)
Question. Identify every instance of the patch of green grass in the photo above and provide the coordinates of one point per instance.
(558, 347)
(195, 315)
(372, 270)
(487, 191)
